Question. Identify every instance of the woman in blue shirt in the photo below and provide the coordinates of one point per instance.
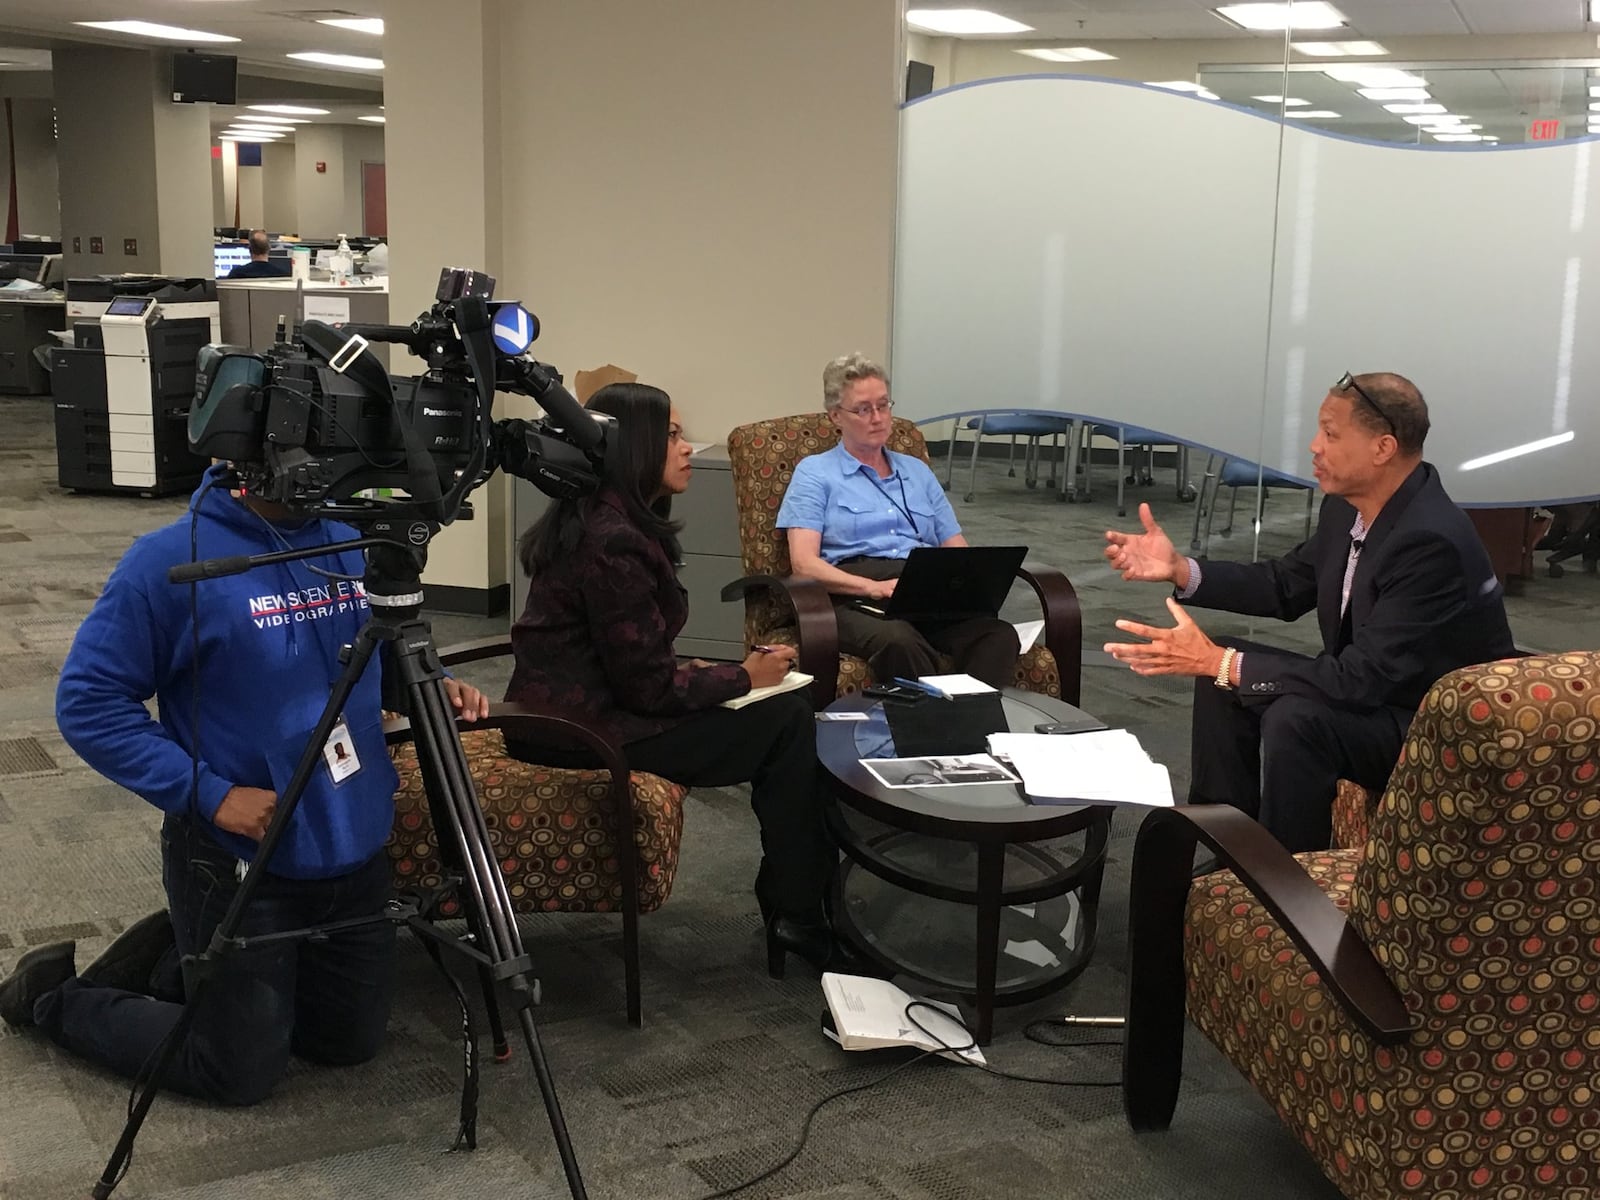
(852, 516)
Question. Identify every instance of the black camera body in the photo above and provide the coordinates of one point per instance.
(317, 423)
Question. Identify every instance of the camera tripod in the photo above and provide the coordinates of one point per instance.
(395, 554)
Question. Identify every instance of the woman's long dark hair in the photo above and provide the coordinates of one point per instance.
(636, 455)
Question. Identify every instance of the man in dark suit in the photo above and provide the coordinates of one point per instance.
(1404, 593)
(260, 265)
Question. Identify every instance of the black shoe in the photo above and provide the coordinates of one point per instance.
(817, 944)
(40, 970)
(132, 956)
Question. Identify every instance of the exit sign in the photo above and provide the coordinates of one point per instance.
(1544, 131)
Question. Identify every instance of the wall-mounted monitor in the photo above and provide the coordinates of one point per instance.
(204, 78)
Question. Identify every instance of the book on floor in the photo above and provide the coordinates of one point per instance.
(871, 1014)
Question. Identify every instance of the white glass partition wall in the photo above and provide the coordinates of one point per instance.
(1206, 268)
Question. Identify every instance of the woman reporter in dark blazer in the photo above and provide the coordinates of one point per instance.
(595, 639)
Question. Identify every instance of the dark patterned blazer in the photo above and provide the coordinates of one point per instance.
(595, 638)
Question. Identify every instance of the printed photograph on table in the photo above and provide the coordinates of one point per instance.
(938, 772)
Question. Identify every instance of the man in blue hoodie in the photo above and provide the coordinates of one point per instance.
(238, 692)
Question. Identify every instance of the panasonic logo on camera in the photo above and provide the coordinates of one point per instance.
(440, 412)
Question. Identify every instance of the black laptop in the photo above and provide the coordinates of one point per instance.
(952, 583)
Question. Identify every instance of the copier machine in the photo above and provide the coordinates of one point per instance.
(122, 395)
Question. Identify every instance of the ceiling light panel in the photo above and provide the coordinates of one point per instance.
(354, 62)
(1313, 114)
(1412, 107)
(1374, 77)
(1286, 101)
(1069, 54)
(1341, 49)
(294, 110)
(1385, 94)
(372, 25)
(963, 22)
(1303, 14)
(149, 29)
(374, 120)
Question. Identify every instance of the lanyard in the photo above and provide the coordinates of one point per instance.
(902, 504)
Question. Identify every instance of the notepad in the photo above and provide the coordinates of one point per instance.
(792, 682)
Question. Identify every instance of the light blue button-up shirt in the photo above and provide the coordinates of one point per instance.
(858, 513)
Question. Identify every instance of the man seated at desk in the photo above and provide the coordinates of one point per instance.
(1403, 591)
(260, 265)
(854, 513)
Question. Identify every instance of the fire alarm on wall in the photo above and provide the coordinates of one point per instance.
(322, 168)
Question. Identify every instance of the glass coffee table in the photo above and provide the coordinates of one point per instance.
(974, 891)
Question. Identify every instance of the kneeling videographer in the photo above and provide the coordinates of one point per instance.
(240, 668)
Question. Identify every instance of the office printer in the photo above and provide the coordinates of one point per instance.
(180, 297)
(122, 395)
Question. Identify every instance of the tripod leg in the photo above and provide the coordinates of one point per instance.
(497, 1025)
(448, 780)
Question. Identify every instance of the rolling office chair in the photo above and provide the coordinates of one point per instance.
(1032, 426)
(1126, 436)
(1236, 473)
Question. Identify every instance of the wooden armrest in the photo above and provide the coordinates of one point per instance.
(1162, 860)
(814, 617)
(1063, 624)
(464, 652)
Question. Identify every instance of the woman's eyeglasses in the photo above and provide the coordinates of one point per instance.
(867, 411)
(1349, 384)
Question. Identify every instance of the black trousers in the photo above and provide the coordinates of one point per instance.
(1281, 759)
(984, 647)
(772, 745)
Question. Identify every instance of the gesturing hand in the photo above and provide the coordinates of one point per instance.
(1182, 650)
(1146, 556)
(246, 811)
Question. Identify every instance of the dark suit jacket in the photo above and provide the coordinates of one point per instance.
(1424, 602)
(595, 638)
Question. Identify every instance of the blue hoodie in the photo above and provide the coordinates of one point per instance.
(268, 653)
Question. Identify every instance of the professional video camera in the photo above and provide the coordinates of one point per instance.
(318, 423)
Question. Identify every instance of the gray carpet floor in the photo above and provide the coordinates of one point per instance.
(716, 1084)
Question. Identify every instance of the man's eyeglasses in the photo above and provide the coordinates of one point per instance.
(1349, 384)
(867, 411)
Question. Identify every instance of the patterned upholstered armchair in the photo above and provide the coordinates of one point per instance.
(780, 607)
(555, 831)
(1424, 1012)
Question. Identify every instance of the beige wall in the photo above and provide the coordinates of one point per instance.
(279, 201)
(720, 222)
(443, 149)
(362, 144)
(319, 197)
(38, 203)
(100, 145)
(329, 203)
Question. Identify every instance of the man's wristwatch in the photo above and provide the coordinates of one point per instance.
(1224, 677)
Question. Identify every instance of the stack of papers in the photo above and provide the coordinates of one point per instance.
(1104, 767)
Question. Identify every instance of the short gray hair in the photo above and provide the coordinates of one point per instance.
(842, 372)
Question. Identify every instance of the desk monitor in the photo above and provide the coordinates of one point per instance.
(227, 256)
(951, 583)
